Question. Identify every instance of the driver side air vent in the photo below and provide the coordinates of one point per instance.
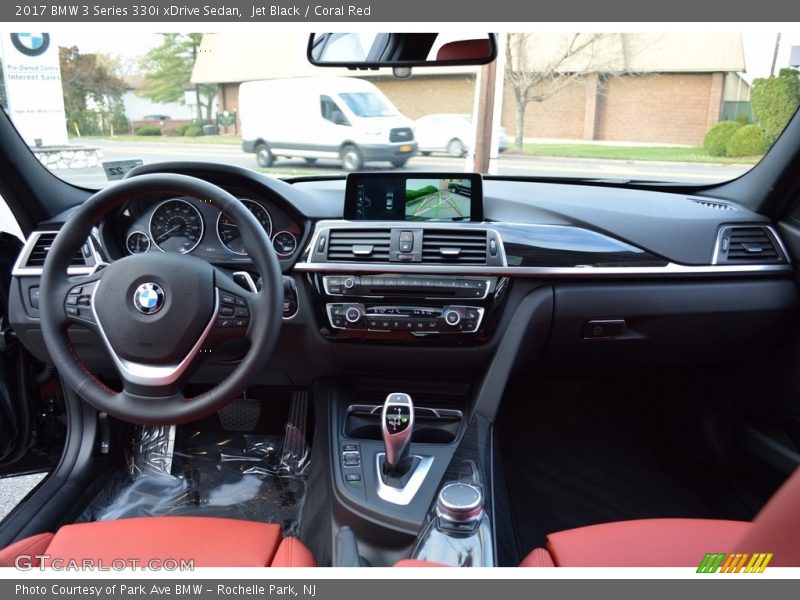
(748, 244)
(361, 245)
(453, 246)
(41, 244)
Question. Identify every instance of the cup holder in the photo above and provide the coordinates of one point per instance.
(431, 425)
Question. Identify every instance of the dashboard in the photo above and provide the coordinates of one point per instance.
(622, 276)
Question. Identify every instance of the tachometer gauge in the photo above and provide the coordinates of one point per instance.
(176, 226)
(137, 242)
(228, 231)
(284, 243)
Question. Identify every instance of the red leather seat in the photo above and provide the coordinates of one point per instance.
(680, 542)
(675, 542)
(209, 542)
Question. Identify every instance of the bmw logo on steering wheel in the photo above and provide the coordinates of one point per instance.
(148, 298)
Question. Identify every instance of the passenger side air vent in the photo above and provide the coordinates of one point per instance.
(748, 244)
(360, 245)
(463, 247)
(714, 204)
(41, 246)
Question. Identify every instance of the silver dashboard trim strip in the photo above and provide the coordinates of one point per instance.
(669, 270)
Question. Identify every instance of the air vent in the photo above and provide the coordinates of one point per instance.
(362, 245)
(453, 246)
(748, 244)
(41, 247)
(714, 204)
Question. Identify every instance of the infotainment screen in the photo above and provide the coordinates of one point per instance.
(437, 197)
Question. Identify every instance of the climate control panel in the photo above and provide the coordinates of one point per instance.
(356, 316)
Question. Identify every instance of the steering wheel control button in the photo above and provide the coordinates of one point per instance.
(148, 298)
(233, 312)
(78, 302)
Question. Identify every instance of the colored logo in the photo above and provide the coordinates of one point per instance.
(719, 562)
(31, 44)
(148, 298)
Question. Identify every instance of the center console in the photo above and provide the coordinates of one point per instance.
(411, 264)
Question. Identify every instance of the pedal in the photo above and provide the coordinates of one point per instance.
(240, 415)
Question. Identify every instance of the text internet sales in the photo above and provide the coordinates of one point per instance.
(274, 10)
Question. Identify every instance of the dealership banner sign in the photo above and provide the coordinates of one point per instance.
(32, 78)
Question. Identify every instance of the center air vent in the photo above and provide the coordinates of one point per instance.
(361, 245)
(41, 247)
(748, 244)
(451, 246)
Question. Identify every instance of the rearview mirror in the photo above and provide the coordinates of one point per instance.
(367, 50)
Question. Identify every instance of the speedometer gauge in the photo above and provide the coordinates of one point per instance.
(176, 226)
(228, 231)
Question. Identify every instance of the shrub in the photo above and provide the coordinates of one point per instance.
(747, 141)
(148, 130)
(181, 129)
(193, 131)
(774, 100)
(172, 132)
(743, 118)
(717, 138)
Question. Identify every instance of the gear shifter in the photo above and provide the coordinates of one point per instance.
(397, 424)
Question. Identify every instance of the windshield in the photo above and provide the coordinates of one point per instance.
(368, 105)
(651, 106)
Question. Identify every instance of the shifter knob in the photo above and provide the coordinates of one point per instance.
(397, 423)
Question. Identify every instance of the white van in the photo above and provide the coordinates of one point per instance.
(342, 118)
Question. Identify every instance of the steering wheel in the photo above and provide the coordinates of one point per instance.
(156, 311)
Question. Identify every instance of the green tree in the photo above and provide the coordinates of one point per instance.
(774, 100)
(92, 92)
(168, 71)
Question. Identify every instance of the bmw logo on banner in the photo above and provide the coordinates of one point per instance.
(31, 44)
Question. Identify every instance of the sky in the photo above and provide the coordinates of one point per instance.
(759, 46)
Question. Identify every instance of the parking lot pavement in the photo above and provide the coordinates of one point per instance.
(14, 489)
(507, 164)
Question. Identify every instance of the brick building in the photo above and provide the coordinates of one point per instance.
(651, 88)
